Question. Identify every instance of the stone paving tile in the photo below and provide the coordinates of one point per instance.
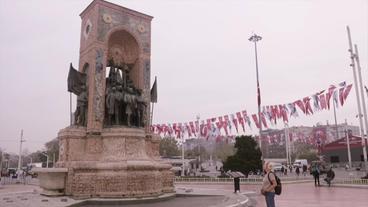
(18, 195)
(305, 195)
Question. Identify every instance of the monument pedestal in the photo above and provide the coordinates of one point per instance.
(120, 162)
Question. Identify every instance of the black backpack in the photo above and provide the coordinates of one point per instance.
(278, 187)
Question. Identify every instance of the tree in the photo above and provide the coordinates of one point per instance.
(247, 157)
(169, 147)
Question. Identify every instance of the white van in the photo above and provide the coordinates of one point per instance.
(300, 163)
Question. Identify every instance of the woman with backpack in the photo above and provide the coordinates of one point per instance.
(269, 184)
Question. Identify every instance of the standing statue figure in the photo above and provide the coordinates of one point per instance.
(130, 101)
(81, 111)
(112, 106)
(141, 109)
(112, 76)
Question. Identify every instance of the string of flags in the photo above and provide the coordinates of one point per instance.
(234, 123)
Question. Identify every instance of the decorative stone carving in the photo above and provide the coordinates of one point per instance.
(99, 77)
(115, 156)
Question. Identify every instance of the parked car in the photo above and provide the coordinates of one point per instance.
(278, 166)
(299, 163)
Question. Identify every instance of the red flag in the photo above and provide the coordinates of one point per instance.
(226, 124)
(223, 125)
(301, 105)
(201, 128)
(235, 122)
(322, 101)
(192, 128)
(263, 119)
(341, 96)
(209, 124)
(255, 119)
(197, 128)
(284, 113)
(308, 107)
(246, 118)
(347, 91)
(240, 120)
(329, 95)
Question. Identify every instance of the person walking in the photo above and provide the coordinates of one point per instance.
(269, 184)
(305, 170)
(297, 171)
(316, 173)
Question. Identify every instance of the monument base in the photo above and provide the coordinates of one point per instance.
(121, 162)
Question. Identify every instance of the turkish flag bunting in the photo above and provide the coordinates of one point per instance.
(329, 95)
(192, 128)
(235, 122)
(308, 107)
(301, 105)
(322, 101)
(255, 119)
(240, 120)
(347, 91)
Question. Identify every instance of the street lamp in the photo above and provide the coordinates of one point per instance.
(255, 38)
(47, 159)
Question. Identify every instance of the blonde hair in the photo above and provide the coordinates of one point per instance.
(267, 166)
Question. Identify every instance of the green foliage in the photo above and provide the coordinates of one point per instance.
(169, 147)
(247, 157)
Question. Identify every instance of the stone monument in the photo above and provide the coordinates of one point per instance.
(109, 150)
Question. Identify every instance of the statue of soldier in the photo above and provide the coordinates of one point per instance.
(141, 109)
(130, 101)
(112, 105)
(81, 111)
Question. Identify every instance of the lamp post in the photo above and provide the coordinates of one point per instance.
(353, 59)
(199, 143)
(255, 38)
(20, 151)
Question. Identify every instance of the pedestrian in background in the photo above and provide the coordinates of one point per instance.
(330, 176)
(305, 170)
(269, 184)
(297, 171)
(316, 173)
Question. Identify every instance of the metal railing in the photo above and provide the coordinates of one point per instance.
(350, 181)
(231, 180)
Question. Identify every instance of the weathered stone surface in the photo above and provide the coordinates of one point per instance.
(121, 162)
(116, 161)
(52, 180)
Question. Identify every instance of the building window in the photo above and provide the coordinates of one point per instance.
(334, 159)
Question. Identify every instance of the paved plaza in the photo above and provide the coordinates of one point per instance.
(202, 195)
(304, 195)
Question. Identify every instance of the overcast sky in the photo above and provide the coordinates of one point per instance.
(200, 53)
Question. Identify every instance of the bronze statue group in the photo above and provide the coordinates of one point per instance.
(124, 103)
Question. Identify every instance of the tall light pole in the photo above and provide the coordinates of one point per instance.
(199, 143)
(353, 57)
(255, 38)
(20, 151)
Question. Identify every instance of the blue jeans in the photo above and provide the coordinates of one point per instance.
(270, 199)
